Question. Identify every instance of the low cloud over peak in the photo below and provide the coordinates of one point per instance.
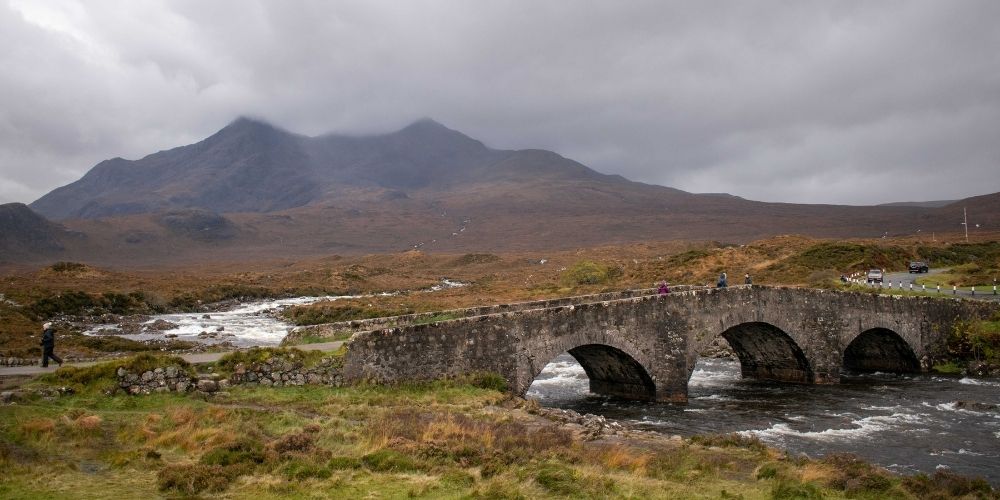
(843, 102)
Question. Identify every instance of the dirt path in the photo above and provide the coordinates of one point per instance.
(208, 357)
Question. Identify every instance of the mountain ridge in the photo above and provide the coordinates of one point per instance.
(254, 189)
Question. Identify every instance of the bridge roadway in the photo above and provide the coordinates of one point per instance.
(641, 345)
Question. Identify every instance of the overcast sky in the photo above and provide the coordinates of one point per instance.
(818, 102)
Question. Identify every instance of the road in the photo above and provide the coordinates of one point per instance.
(904, 279)
(205, 357)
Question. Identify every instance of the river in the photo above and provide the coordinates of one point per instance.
(255, 323)
(906, 423)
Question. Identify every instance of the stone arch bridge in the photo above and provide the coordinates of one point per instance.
(640, 345)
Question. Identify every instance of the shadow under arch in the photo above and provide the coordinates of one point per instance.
(613, 372)
(766, 352)
(880, 350)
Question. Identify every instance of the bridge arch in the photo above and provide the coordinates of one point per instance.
(611, 371)
(880, 350)
(769, 353)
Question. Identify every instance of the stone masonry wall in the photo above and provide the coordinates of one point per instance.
(171, 378)
(279, 371)
(663, 334)
(329, 330)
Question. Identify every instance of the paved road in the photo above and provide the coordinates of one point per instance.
(904, 279)
(206, 357)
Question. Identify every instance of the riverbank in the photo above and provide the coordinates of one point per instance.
(440, 439)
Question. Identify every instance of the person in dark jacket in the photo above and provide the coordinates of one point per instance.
(49, 345)
(723, 282)
(747, 280)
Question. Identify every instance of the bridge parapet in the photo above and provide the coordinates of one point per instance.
(331, 330)
(645, 346)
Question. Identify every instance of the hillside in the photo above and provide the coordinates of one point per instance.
(254, 191)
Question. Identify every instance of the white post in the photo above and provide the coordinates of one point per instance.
(973, 290)
(939, 288)
(911, 287)
(954, 289)
(965, 219)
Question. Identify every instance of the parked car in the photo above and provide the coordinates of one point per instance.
(875, 276)
(919, 267)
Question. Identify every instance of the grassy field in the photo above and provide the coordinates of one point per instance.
(74, 291)
(434, 440)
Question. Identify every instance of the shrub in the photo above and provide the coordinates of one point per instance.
(733, 440)
(300, 442)
(386, 460)
(788, 489)
(767, 471)
(590, 273)
(558, 479)
(948, 484)
(298, 469)
(321, 314)
(257, 355)
(244, 451)
(68, 267)
(490, 381)
(195, 478)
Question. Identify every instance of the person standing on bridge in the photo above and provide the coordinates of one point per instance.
(723, 282)
(49, 345)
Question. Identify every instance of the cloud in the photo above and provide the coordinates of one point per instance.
(820, 102)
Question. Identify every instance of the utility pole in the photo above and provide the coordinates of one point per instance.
(965, 218)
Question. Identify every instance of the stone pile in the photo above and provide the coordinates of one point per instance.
(592, 426)
(281, 372)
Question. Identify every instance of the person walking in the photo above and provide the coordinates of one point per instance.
(723, 282)
(747, 280)
(49, 345)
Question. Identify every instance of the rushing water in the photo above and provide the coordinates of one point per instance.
(249, 324)
(907, 423)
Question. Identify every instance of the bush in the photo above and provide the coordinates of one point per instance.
(558, 479)
(788, 489)
(590, 273)
(299, 470)
(733, 440)
(195, 478)
(490, 381)
(944, 484)
(244, 451)
(386, 460)
(257, 355)
(322, 314)
(68, 267)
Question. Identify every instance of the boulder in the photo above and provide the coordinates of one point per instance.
(160, 325)
(207, 385)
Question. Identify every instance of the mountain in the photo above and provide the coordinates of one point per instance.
(250, 166)
(27, 234)
(253, 190)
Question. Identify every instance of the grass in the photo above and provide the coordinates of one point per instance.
(449, 438)
(436, 318)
